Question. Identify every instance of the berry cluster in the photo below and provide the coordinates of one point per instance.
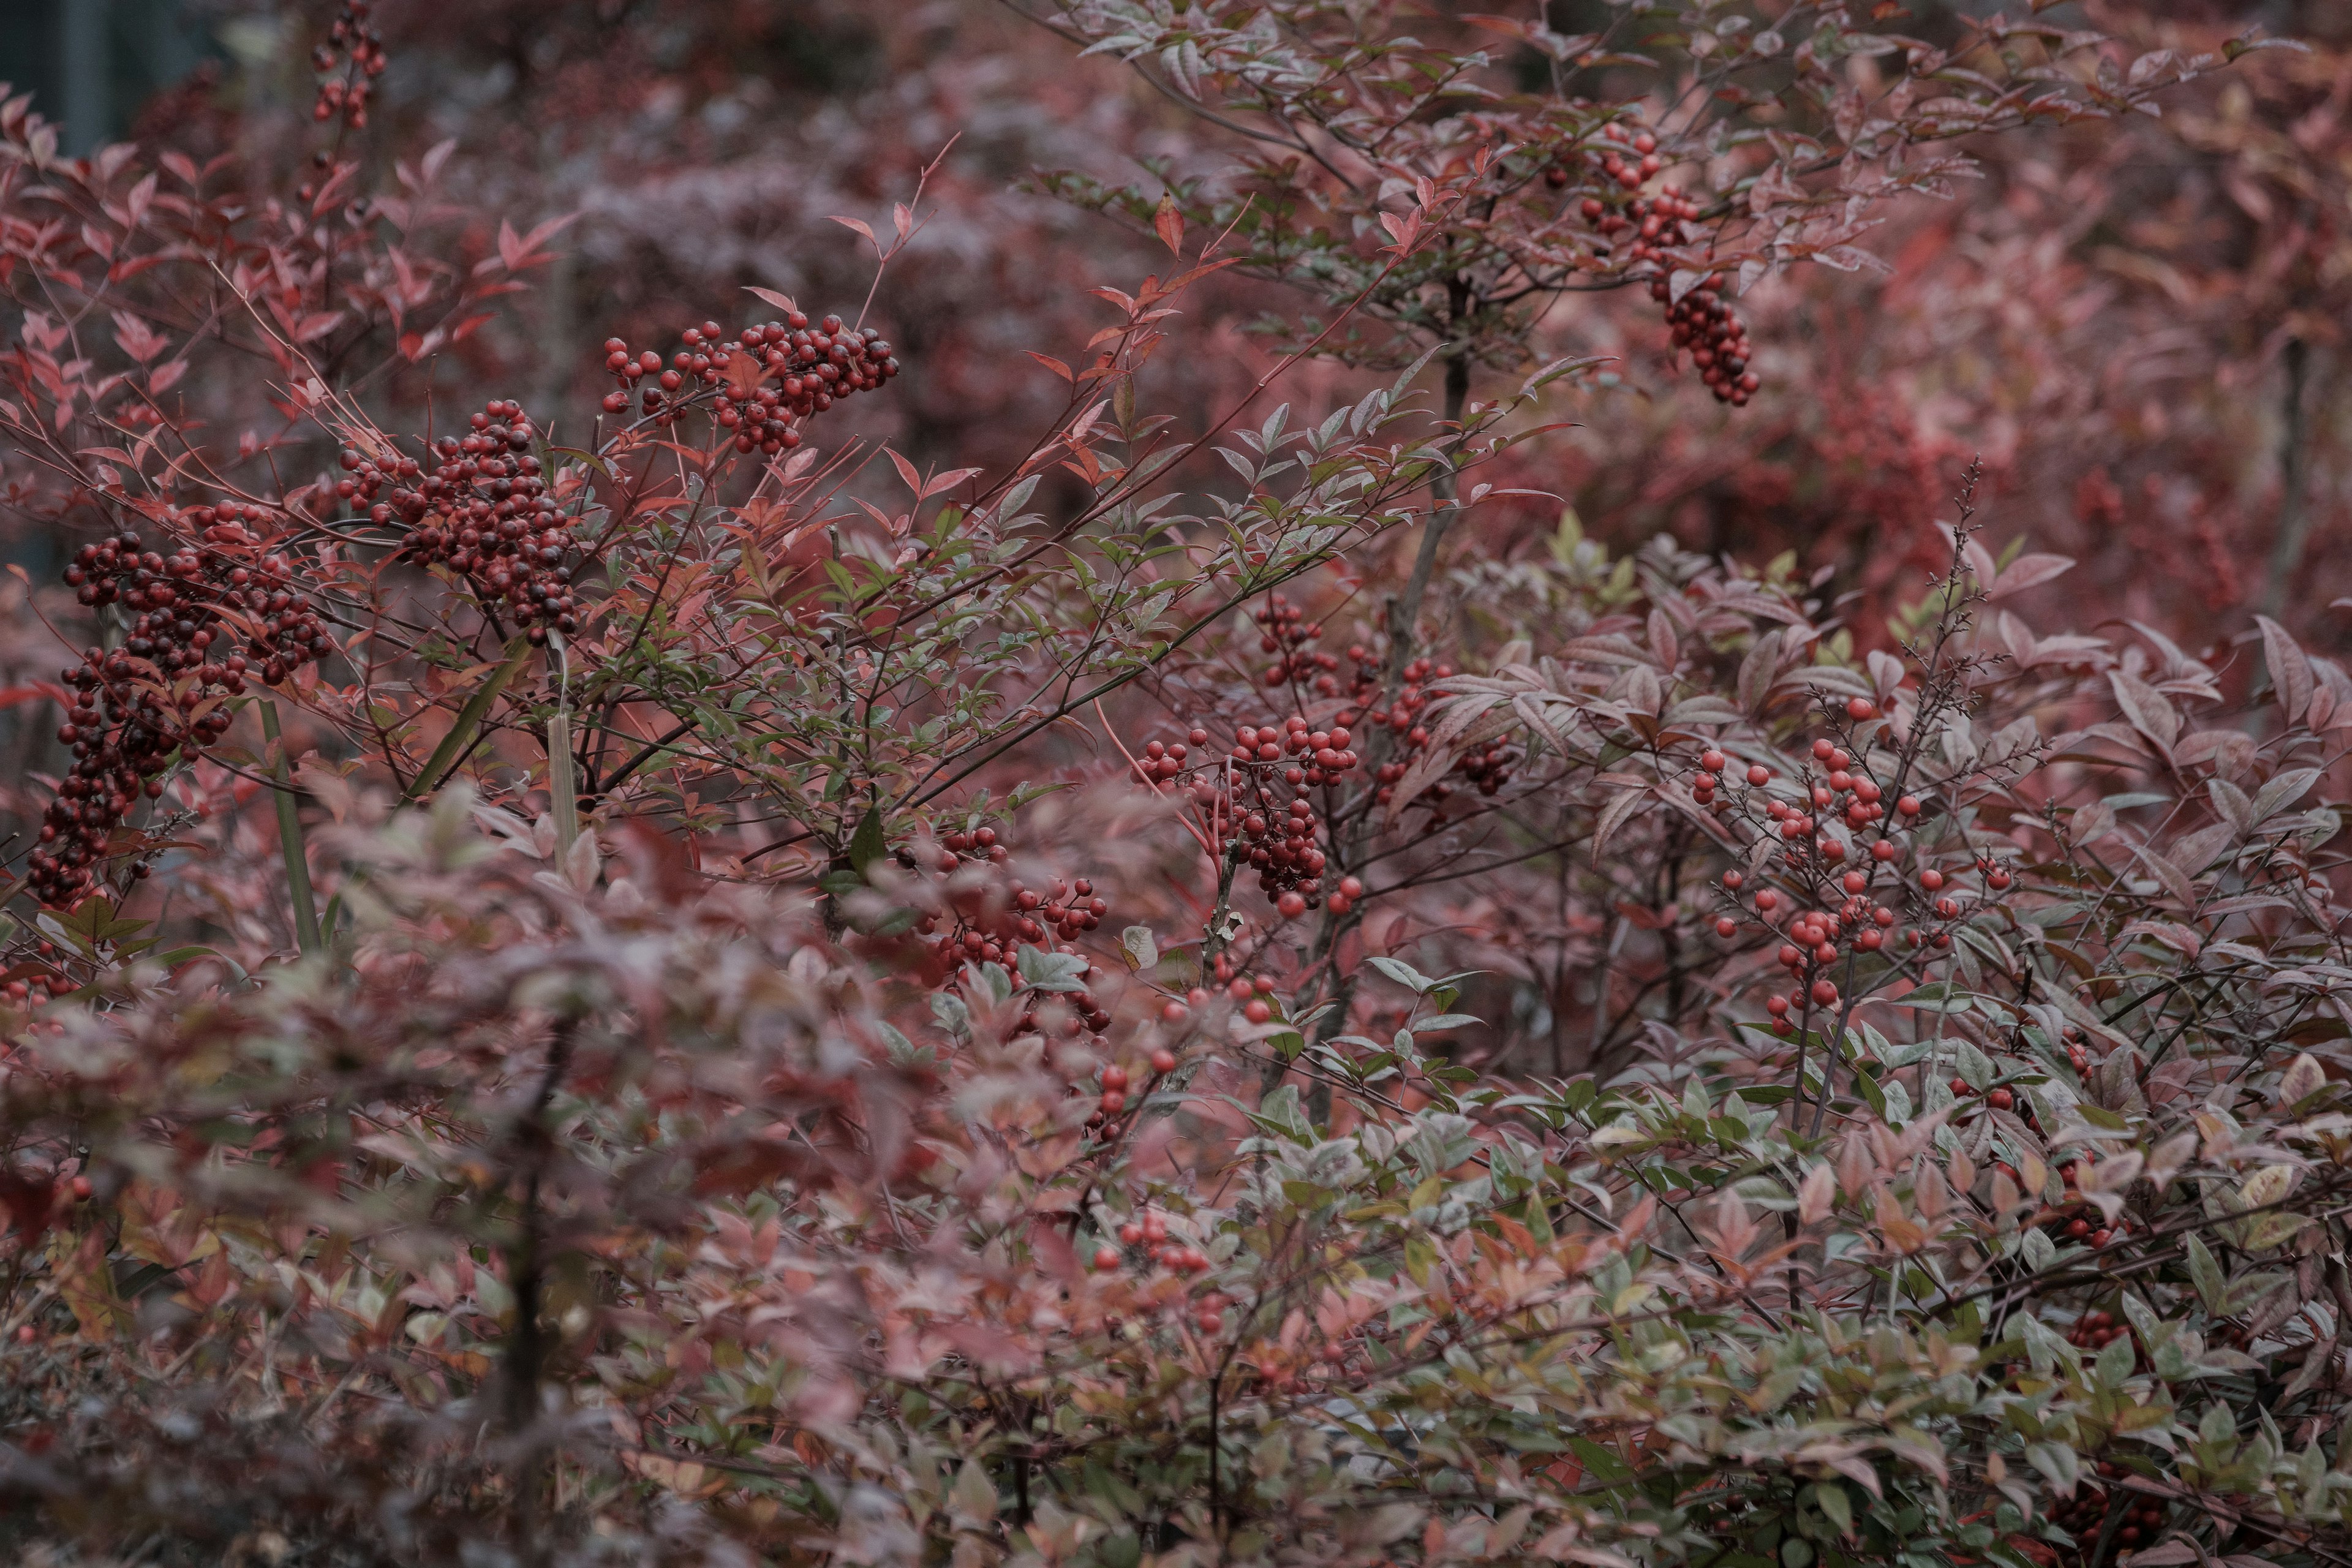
(351, 58)
(1149, 1235)
(1484, 768)
(1286, 633)
(34, 984)
(1658, 222)
(1615, 165)
(1998, 1098)
(988, 929)
(1701, 322)
(1110, 1088)
(484, 513)
(164, 690)
(770, 377)
(1275, 1368)
(2085, 1515)
(2078, 1219)
(1256, 794)
(2098, 1330)
(1402, 716)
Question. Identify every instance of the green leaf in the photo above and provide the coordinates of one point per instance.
(2116, 1362)
(469, 718)
(2212, 1289)
(867, 845)
(1942, 997)
(1870, 1090)
(1403, 973)
(1051, 970)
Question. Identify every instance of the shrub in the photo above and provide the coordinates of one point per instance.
(703, 1057)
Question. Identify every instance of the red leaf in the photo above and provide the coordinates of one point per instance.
(1169, 222)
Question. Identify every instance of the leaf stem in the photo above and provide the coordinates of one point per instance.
(289, 838)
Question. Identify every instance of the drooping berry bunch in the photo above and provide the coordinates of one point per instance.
(1283, 849)
(1659, 223)
(1149, 1235)
(485, 512)
(1625, 158)
(1255, 796)
(350, 59)
(1285, 633)
(1718, 340)
(2098, 1330)
(2076, 1218)
(37, 978)
(771, 377)
(1486, 768)
(218, 609)
(987, 923)
(2084, 1516)
(1276, 828)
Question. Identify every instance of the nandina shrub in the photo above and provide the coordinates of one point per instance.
(710, 993)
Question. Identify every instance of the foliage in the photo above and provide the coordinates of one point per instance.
(698, 988)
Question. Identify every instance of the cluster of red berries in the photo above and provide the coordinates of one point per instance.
(988, 925)
(1485, 769)
(1658, 222)
(1256, 793)
(351, 58)
(768, 378)
(1302, 756)
(1161, 1251)
(2074, 1218)
(2098, 1330)
(1998, 1098)
(484, 511)
(2071, 1040)
(2085, 1515)
(1701, 322)
(1274, 1369)
(1111, 1092)
(1285, 634)
(34, 985)
(1611, 159)
(990, 935)
(1402, 716)
(1282, 848)
(164, 690)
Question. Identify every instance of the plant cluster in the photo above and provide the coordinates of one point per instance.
(869, 1012)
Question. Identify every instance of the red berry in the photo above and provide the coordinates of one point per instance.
(1758, 773)
(1106, 1259)
(1859, 708)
